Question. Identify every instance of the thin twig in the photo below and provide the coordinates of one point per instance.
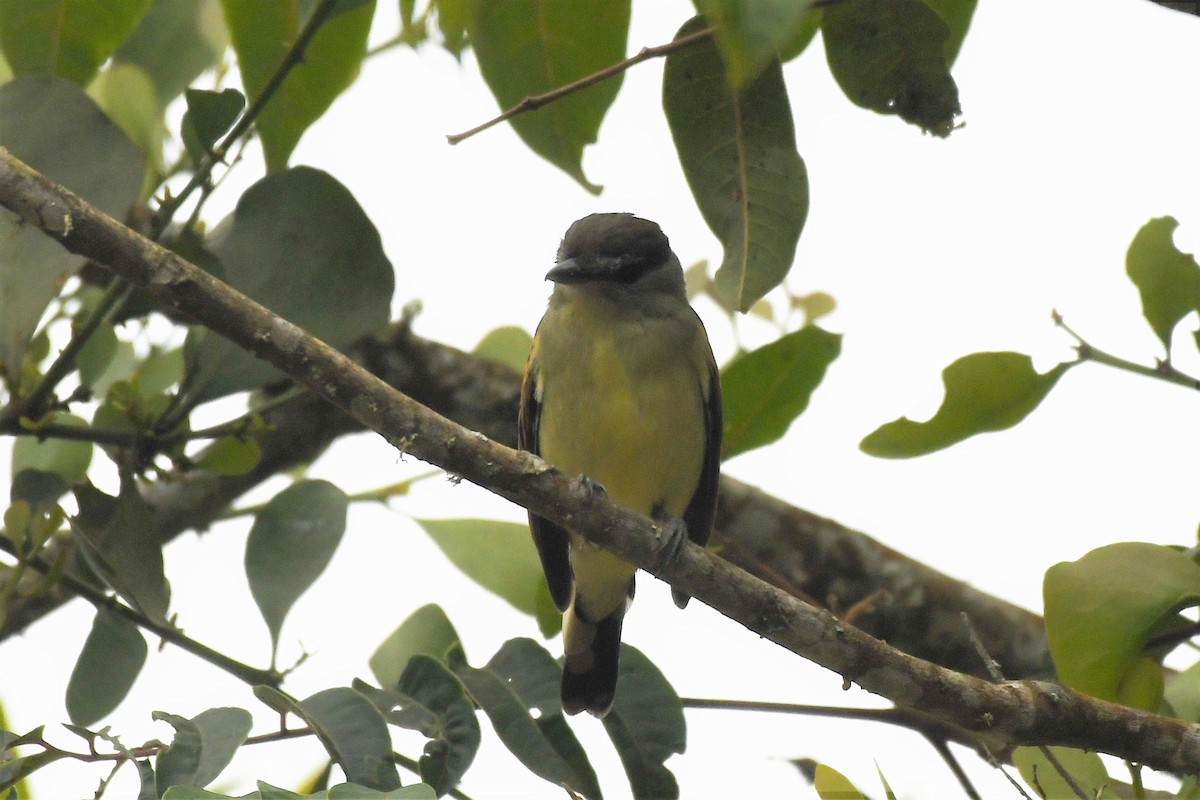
(993, 668)
(243, 672)
(1163, 370)
(291, 59)
(114, 297)
(534, 102)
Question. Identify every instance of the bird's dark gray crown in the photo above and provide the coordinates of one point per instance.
(616, 247)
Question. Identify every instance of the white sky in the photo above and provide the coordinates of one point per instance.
(1080, 126)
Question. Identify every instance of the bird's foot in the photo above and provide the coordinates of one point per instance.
(671, 533)
(591, 487)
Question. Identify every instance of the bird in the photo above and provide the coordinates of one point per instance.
(622, 388)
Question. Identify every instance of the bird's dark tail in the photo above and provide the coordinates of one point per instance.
(593, 651)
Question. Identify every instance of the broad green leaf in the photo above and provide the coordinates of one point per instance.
(230, 455)
(1100, 611)
(833, 785)
(126, 94)
(300, 244)
(65, 457)
(268, 792)
(108, 665)
(352, 791)
(290, 544)
(528, 47)
(738, 153)
(354, 734)
(120, 367)
(1167, 280)
(957, 15)
(53, 126)
(68, 38)
(430, 699)
(535, 677)
(159, 371)
(984, 392)
(646, 726)
(765, 390)
(890, 56)
(195, 793)
(1182, 693)
(427, 631)
(175, 42)
(508, 345)
(203, 746)
(1086, 770)
(521, 733)
(121, 544)
(14, 772)
(752, 33)
(97, 356)
(262, 34)
(501, 558)
(210, 115)
(20, 787)
(453, 17)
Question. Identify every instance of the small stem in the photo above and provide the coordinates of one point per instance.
(385, 493)
(79, 433)
(247, 674)
(535, 102)
(237, 426)
(293, 57)
(1162, 371)
(114, 296)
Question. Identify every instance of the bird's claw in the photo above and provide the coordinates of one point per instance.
(591, 487)
(672, 534)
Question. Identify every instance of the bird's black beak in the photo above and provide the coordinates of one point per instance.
(567, 271)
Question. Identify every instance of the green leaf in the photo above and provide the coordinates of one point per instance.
(202, 747)
(453, 17)
(957, 15)
(109, 663)
(528, 47)
(427, 631)
(500, 557)
(120, 541)
(1101, 609)
(833, 785)
(1167, 280)
(290, 544)
(97, 356)
(126, 94)
(300, 244)
(69, 38)
(646, 726)
(433, 701)
(765, 390)
(262, 33)
(352, 791)
(194, 793)
(535, 677)
(1182, 693)
(210, 115)
(890, 56)
(354, 734)
(984, 392)
(525, 737)
(508, 345)
(65, 457)
(738, 153)
(1086, 770)
(53, 126)
(752, 33)
(175, 42)
(230, 455)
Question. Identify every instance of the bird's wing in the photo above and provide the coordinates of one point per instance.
(552, 541)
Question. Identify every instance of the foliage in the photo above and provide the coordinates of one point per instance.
(87, 104)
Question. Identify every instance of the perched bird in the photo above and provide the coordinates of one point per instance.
(621, 386)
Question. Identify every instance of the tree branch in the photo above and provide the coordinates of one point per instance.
(1022, 712)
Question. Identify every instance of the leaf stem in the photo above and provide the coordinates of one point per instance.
(1163, 370)
(534, 102)
(247, 674)
(291, 59)
(114, 296)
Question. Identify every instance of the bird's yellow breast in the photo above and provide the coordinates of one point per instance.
(623, 402)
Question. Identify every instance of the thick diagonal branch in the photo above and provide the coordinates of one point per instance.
(1028, 712)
